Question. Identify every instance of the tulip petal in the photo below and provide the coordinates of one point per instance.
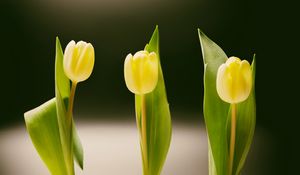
(128, 74)
(245, 79)
(150, 73)
(140, 54)
(85, 62)
(233, 60)
(68, 57)
(224, 83)
(80, 46)
(137, 68)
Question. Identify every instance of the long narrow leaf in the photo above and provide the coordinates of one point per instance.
(70, 140)
(78, 150)
(159, 127)
(217, 114)
(47, 127)
(62, 91)
(214, 109)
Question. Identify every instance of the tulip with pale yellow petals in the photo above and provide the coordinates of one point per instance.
(234, 84)
(141, 72)
(78, 65)
(141, 76)
(78, 61)
(234, 80)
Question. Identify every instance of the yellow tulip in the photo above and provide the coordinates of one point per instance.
(78, 61)
(141, 72)
(234, 80)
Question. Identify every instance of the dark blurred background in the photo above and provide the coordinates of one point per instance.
(118, 27)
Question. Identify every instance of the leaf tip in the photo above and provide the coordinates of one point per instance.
(156, 31)
(201, 34)
(33, 112)
(81, 165)
(57, 40)
(199, 31)
(254, 60)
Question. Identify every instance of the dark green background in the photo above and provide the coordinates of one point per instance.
(118, 27)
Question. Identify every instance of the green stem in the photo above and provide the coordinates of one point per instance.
(71, 101)
(144, 134)
(70, 161)
(232, 137)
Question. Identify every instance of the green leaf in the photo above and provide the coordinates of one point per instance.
(159, 127)
(62, 92)
(217, 114)
(42, 126)
(214, 109)
(78, 150)
(68, 133)
(54, 137)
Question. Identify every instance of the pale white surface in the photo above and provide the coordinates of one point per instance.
(110, 148)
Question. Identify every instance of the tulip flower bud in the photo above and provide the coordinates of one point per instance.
(78, 61)
(141, 72)
(234, 80)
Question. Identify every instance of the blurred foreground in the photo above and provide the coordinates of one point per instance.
(112, 147)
